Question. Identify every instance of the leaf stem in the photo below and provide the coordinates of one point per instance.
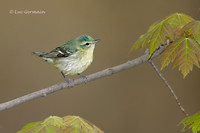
(170, 88)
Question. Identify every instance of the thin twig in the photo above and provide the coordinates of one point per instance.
(170, 88)
(94, 76)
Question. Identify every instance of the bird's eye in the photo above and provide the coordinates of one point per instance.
(87, 44)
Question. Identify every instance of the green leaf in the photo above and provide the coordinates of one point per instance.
(51, 124)
(178, 20)
(192, 30)
(54, 121)
(185, 52)
(76, 124)
(67, 124)
(28, 126)
(191, 122)
(162, 31)
(158, 34)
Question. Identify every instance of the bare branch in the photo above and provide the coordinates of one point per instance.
(170, 88)
(94, 76)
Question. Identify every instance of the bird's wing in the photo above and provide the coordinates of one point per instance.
(60, 52)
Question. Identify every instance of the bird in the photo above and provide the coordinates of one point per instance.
(72, 57)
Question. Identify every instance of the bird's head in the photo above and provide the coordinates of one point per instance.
(86, 42)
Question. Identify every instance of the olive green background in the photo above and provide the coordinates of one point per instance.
(132, 101)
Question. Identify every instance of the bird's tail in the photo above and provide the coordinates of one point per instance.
(40, 54)
(43, 55)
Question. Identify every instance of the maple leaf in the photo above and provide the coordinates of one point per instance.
(192, 122)
(76, 124)
(162, 31)
(67, 124)
(192, 29)
(184, 52)
(158, 34)
(178, 20)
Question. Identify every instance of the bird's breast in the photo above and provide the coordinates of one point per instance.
(75, 63)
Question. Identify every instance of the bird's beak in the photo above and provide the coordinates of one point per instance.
(95, 41)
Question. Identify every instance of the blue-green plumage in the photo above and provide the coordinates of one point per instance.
(73, 57)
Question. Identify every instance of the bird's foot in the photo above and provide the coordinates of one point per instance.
(83, 77)
(68, 81)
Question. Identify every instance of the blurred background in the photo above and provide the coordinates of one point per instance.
(135, 100)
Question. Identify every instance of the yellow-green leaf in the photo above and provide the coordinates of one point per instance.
(192, 30)
(160, 34)
(76, 124)
(51, 124)
(67, 124)
(162, 31)
(28, 126)
(154, 37)
(178, 20)
(169, 54)
(192, 122)
(54, 121)
(185, 52)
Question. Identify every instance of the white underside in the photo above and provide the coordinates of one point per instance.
(74, 64)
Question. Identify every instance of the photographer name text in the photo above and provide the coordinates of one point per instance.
(26, 12)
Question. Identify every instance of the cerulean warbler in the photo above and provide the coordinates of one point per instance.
(73, 57)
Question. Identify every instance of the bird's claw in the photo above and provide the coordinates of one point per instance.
(83, 77)
(70, 84)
